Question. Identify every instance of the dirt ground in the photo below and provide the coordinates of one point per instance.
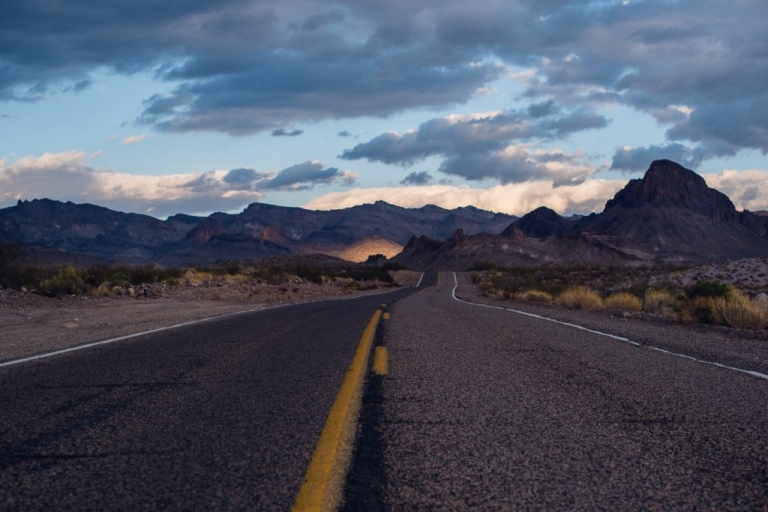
(31, 323)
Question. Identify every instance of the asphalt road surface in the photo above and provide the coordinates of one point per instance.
(477, 408)
(221, 415)
(487, 409)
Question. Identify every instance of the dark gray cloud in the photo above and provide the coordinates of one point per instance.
(458, 135)
(631, 160)
(517, 165)
(283, 133)
(244, 178)
(483, 147)
(749, 194)
(417, 178)
(638, 159)
(345, 134)
(241, 66)
(306, 175)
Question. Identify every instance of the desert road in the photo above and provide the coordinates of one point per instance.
(463, 407)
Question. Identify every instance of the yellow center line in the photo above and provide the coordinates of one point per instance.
(323, 483)
(380, 361)
(386, 316)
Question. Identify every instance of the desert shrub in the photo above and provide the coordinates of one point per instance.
(710, 289)
(151, 273)
(658, 301)
(119, 278)
(624, 301)
(741, 312)
(235, 279)
(10, 264)
(233, 268)
(32, 277)
(68, 281)
(580, 297)
(271, 275)
(535, 296)
(393, 266)
(481, 266)
(103, 290)
(702, 310)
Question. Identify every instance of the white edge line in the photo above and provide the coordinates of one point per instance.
(167, 328)
(619, 338)
(420, 278)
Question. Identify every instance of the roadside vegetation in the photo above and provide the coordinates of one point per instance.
(629, 291)
(148, 280)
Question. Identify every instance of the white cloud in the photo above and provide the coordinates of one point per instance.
(70, 176)
(135, 139)
(513, 198)
(748, 189)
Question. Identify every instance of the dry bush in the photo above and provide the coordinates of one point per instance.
(534, 296)
(741, 312)
(580, 297)
(658, 301)
(234, 279)
(624, 301)
(103, 290)
(199, 277)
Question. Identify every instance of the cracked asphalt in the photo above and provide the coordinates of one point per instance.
(480, 409)
(486, 409)
(222, 415)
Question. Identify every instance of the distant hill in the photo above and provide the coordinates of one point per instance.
(670, 215)
(93, 233)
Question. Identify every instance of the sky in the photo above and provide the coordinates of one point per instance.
(191, 106)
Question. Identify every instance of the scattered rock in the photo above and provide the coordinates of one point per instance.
(762, 297)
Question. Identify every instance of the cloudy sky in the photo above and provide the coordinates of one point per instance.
(196, 106)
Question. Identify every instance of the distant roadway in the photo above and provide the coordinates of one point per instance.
(463, 407)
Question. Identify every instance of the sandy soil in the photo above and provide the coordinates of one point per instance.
(30, 323)
(747, 274)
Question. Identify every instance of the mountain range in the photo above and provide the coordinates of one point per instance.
(670, 215)
(260, 231)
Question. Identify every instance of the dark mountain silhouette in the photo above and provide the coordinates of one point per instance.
(673, 211)
(541, 223)
(670, 215)
(260, 231)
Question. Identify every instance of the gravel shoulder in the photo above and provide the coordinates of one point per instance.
(31, 324)
(744, 349)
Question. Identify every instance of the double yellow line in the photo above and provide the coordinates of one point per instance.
(324, 481)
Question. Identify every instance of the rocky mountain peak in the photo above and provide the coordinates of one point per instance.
(668, 184)
(205, 230)
(540, 223)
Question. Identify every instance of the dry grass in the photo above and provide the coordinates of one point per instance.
(741, 312)
(658, 301)
(624, 301)
(534, 296)
(236, 279)
(580, 297)
(198, 277)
